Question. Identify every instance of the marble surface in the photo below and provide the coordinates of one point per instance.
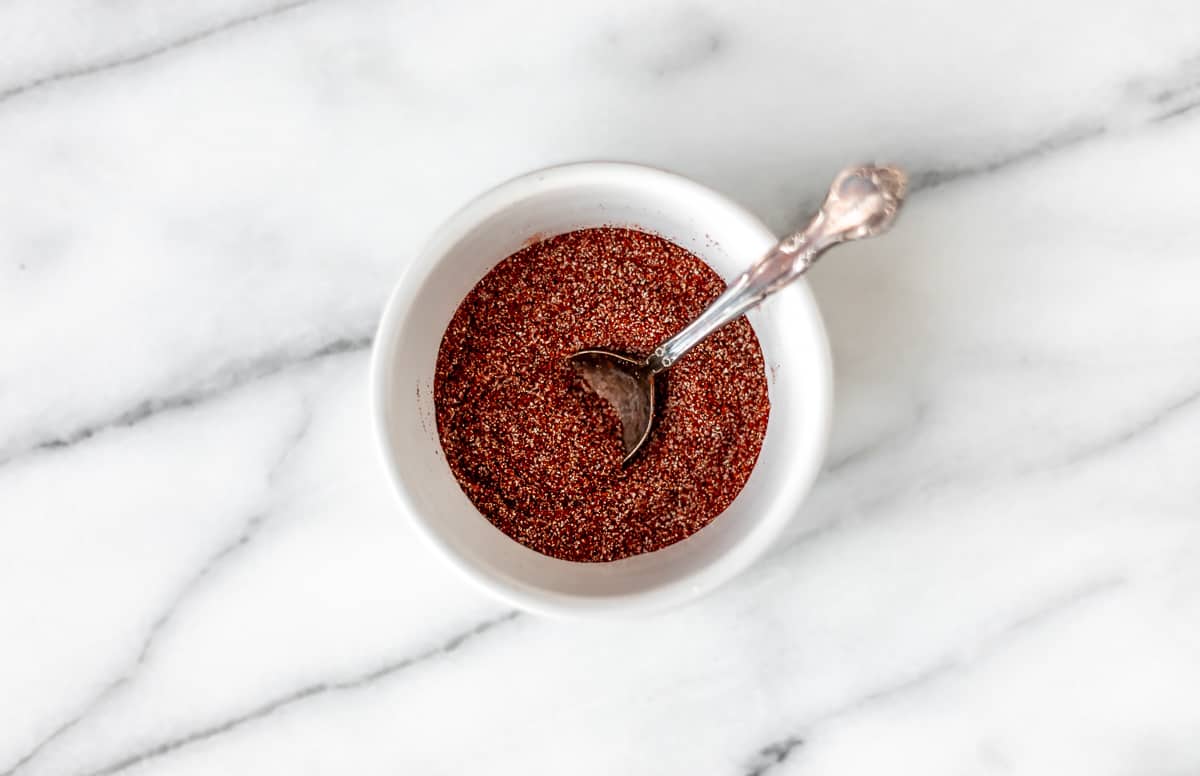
(203, 206)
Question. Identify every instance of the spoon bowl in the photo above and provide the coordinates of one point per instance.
(628, 385)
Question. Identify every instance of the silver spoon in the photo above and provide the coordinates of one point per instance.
(862, 202)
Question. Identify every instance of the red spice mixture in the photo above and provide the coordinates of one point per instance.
(539, 454)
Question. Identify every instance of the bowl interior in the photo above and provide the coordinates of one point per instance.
(500, 223)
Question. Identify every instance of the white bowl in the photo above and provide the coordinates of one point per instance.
(495, 225)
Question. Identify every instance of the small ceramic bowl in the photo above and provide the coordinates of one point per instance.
(497, 224)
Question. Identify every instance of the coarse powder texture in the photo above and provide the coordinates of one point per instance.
(539, 454)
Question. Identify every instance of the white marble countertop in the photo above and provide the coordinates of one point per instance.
(203, 206)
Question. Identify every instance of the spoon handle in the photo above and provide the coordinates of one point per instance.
(862, 202)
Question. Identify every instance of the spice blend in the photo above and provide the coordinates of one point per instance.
(539, 454)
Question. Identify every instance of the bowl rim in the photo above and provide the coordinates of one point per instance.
(513, 592)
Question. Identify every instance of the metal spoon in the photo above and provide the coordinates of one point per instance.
(862, 202)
